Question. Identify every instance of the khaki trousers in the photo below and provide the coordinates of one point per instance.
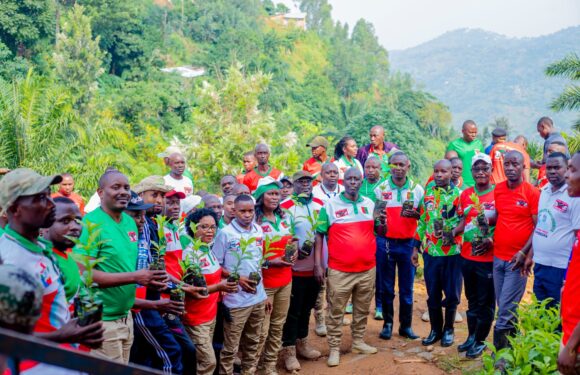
(118, 340)
(202, 337)
(271, 335)
(243, 331)
(358, 286)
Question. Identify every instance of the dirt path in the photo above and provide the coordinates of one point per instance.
(398, 355)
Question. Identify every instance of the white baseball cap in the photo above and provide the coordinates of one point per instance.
(480, 156)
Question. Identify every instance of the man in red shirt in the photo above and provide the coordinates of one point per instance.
(65, 189)
(318, 145)
(516, 203)
(569, 359)
(262, 154)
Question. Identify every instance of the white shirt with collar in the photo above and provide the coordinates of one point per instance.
(321, 192)
(227, 243)
(558, 219)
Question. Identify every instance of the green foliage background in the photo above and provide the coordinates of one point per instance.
(81, 87)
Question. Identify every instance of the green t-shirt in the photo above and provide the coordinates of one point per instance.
(119, 248)
(466, 152)
(69, 271)
(368, 190)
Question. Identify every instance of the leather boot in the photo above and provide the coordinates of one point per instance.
(436, 319)
(448, 332)
(306, 351)
(405, 320)
(500, 340)
(471, 327)
(387, 331)
(288, 354)
(481, 332)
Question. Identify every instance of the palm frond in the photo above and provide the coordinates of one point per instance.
(568, 67)
(568, 100)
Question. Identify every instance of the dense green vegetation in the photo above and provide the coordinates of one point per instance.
(81, 87)
(484, 75)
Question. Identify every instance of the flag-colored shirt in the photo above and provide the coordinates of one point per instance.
(515, 208)
(570, 308)
(276, 277)
(252, 178)
(399, 227)
(467, 210)
(70, 273)
(349, 228)
(466, 151)
(439, 204)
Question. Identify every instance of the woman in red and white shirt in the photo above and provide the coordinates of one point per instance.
(199, 318)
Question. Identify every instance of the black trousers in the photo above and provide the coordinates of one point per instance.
(479, 290)
(304, 293)
(442, 275)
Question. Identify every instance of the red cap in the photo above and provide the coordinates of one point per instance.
(180, 194)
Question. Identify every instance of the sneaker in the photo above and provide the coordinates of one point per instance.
(333, 358)
(425, 316)
(360, 347)
(378, 313)
(348, 309)
(458, 317)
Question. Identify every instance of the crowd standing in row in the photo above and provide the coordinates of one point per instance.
(202, 283)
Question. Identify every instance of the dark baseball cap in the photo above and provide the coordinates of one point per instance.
(499, 132)
(136, 203)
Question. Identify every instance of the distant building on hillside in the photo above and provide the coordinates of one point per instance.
(185, 71)
(294, 18)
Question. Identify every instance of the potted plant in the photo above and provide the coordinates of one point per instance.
(308, 244)
(481, 221)
(409, 203)
(177, 294)
(240, 256)
(291, 246)
(158, 249)
(438, 221)
(88, 307)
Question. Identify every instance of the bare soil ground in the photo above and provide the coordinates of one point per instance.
(397, 356)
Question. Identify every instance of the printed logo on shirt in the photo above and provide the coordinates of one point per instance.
(132, 236)
(521, 203)
(169, 237)
(488, 206)
(429, 203)
(259, 241)
(364, 210)
(561, 206)
(266, 229)
(341, 213)
(233, 244)
(45, 275)
(203, 262)
(387, 195)
(284, 224)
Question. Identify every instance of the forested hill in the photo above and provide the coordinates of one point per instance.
(483, 75)
(82, 86)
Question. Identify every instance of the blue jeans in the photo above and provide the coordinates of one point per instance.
(548, 282)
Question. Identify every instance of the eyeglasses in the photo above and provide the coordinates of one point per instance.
(206, 227)
(477, 170)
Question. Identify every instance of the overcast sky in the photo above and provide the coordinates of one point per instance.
(401, 24)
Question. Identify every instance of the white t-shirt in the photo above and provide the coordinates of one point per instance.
(558, 219)
(342, 165)
(227, 243)
(93, 204)
(184, 184)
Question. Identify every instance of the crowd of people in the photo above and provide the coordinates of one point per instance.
(216, 282)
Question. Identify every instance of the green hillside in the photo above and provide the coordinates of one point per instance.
(483, 75)
(81, 87)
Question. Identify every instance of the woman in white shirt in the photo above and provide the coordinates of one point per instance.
(345, 156)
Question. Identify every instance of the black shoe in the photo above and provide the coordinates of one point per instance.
(447, 338)
(467, 344)
(476, 350)
(387, 331)
(432, 338)
(408, 333)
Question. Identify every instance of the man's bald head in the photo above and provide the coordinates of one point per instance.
(442, 173)
(521, 140)
(469, 130)
(261, 147)
(108, 176)
(240, 189)
(514, 154)
(377, 135)
(328, 167)
(379, 129)
(443, 163)
(450, 154)
(352, 172)
(176, 162)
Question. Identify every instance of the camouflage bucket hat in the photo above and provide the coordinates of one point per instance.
(23, 182)
(20, 298)
(155, 183)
